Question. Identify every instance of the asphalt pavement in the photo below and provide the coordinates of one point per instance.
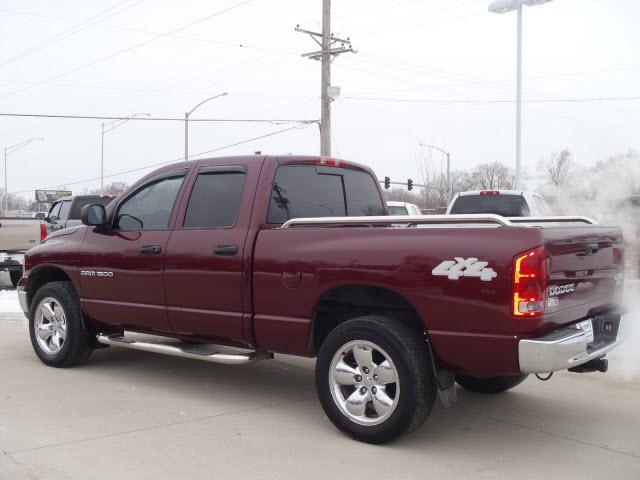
(137, 415)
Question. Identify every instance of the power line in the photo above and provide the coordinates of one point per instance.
(159, 119)
(82, 25)
(154, 165)
(493, 101)
(128, 49)
(153, 32)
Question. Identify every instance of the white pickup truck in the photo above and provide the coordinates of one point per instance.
(403, 208)
(17, 235)
(508, 203)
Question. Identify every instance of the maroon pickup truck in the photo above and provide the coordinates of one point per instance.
(232, 259)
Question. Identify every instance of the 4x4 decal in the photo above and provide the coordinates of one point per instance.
(465, 267)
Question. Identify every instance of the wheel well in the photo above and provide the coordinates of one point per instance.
(344, 303)
(42, 276)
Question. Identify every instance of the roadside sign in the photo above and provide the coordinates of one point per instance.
(50, 196)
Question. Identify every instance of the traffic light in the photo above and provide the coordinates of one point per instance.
(409, 184)
(387, 183)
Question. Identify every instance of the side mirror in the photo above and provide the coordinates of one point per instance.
(94, 215)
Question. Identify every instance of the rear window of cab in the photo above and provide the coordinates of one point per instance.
(304, 191)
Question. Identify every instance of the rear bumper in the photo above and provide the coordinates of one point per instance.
(569, 347)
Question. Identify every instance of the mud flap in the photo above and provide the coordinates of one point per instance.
(445, 380)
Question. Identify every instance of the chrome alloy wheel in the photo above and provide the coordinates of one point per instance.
(364, 383)
(50, 325)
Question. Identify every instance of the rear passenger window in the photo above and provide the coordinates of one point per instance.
(215, 198)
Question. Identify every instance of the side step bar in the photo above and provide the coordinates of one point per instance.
(177, 350)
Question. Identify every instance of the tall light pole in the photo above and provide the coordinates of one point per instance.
(8, 151)
(186, 122)
(449, 189)
(107, 127)
(504, 6)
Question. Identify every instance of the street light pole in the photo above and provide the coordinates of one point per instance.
(519, 101)
(111, 126)
(449, 187)
(102, 161)
(8, 151)
(186, 122)
(504, 6)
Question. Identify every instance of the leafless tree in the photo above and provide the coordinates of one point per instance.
(114, 188)
(492, 176)
(402, 195)
(557, 168)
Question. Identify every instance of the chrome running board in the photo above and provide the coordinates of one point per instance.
(194, 351)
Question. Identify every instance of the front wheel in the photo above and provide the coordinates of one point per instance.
(56, 327)
(374, 379)
(490, 384)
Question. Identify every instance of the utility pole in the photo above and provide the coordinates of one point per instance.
(325, 81)
(329, 50)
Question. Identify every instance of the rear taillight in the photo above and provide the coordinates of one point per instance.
(618, 256)
(490, 192)
(529, 283)
(43, 232)
(27, 263)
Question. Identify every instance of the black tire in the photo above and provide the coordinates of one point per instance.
(15, 276)
(75, 349)
(408, 352)
(491, 384)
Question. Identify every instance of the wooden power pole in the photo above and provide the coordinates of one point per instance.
(331, 47)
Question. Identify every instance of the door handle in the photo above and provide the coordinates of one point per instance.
(150, 249)
(228, 250)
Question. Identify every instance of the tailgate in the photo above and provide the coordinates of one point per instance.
(584, 269)
(17, 235)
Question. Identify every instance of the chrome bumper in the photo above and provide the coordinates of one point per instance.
(22, 298)
(565, 348)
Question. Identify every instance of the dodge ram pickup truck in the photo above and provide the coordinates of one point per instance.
(231, 260)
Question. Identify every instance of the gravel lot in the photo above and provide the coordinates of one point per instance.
(139, 415)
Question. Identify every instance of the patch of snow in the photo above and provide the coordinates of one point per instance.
(9, 302)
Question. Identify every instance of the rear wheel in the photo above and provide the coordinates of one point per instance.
(56, 327)
(374, 379)
(491, 384)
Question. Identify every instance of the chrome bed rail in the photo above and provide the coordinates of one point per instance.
(413, 220)
(409, 220)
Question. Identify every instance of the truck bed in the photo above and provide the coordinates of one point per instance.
(307, 259)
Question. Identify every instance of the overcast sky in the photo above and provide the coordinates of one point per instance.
(421, 74)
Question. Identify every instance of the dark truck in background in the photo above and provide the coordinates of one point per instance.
(232, 259)
(65, 212)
